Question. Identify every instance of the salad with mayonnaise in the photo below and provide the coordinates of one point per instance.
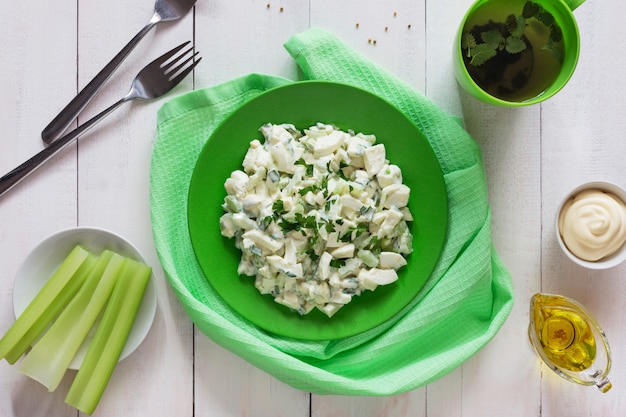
(319, 216)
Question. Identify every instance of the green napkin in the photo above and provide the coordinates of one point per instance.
(463, 304)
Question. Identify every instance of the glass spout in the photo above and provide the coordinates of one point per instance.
(602, 382)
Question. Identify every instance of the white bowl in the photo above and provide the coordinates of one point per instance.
(46, 257)
(606, 262)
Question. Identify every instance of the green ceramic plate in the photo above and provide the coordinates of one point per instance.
(304, 104)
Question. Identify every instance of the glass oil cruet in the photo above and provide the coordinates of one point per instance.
(569, 340)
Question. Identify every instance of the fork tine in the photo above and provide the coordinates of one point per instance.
(186, 71)
(166, 56)
(173, 61)
(172, 71)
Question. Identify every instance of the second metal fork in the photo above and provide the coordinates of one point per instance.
(154, 80)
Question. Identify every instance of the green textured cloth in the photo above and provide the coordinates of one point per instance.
(463, 304)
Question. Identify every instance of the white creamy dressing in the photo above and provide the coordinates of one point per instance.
(319, 217)
(593, 224)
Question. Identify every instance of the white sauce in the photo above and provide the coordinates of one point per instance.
(593, 224)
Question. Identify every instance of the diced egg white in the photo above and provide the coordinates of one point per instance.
(319, 217)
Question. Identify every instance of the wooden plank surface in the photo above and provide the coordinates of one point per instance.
(532, 157)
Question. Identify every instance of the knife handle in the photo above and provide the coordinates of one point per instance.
(14, 177)
(65, 118)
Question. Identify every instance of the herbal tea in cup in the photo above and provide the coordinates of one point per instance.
(517, 52)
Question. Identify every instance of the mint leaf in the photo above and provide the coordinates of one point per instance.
(511, 23)
(530, 9)
(493, 38)
(520, 27)
(514, 45)
(545, 17)
(556, 34)
(468, 42)
(480, 54)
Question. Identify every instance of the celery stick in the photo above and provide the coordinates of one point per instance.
(110, 338)
(49, 301)
(52, 354)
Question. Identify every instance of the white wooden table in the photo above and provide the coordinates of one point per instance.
(533, 156)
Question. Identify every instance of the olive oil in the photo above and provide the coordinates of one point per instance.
(569, 340)
(566, 337)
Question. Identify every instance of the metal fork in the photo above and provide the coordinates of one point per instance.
(154, 80)
(164, 11)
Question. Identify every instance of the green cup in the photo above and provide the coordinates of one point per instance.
(516, 52)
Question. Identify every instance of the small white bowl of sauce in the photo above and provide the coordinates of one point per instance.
(591, 225)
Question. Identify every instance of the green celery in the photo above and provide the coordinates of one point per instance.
(52, 354)
(110, 338)
(49, 301)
